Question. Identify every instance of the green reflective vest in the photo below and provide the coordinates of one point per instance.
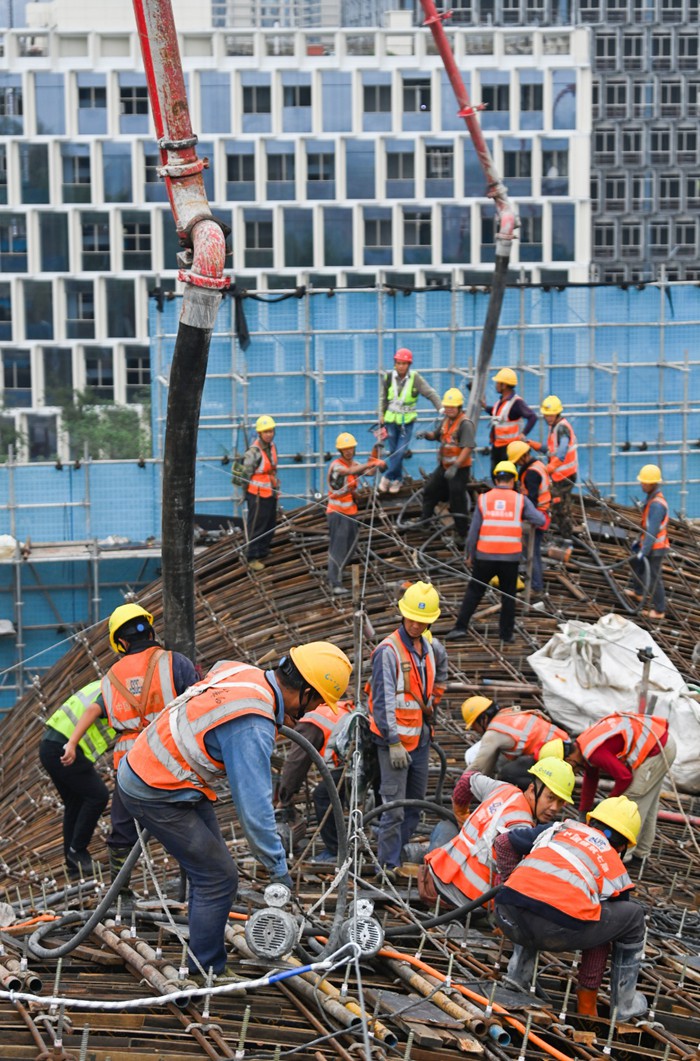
(97, 738)
(401, 407)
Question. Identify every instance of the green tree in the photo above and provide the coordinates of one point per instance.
(9, 436)
(111, 432)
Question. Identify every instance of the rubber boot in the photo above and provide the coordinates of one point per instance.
(587, 1002)
(624, 997)
(117, 858)
(521, 969)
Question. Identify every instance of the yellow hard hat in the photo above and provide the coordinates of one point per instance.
(495, 582)
(125, 613)
(265, 423)
(505, 468)
(551, 406)
(473, 707)
(650, 473)
(516, 450)
(421, 603)
(325, 667)
(507, 376)
(453, 398)
(345, 440)
(552, 749)
(621, 814)
(556, 775)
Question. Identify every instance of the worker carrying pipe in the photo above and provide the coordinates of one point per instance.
(565, 895)
(652, 545)
(512, 419)
(505, 732)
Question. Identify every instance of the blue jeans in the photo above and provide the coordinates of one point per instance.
(397, 440)
(396, 827)
(190, 832)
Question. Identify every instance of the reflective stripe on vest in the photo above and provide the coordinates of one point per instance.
(401, 407)
(171, 754)
(572, 867)
(450, 450)
(504, 430)
(661, 541)
(527, 730)
(468, 860)
(641, 734)
(569, 466)
(262, 480)
(342, 499)
(409, 701)
(502, 522)
(323, 718)
(126, 719)
(96, 739)
(544, 493)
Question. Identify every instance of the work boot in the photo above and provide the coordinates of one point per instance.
(384, 484)
(624, 997)
(521, 970)
(117, 858)
(256, 565)
(457, 633)
(79, 863)
(587, 1002)
(394, 486)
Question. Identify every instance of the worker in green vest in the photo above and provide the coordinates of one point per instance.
(400, 390)
(82, 790)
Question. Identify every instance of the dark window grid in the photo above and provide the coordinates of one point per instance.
(688, 52)
(630, 240)
(256, 99)
(95, 236)
(297, 96)
(92, 97)
(606, 51)
(604, 241)
(692, 190)
(240, 168)
(138, 370)
(378, 232)
(136, 236)
(281, 167)
(400, 165)
(686, 236)
(76, 169)
(530, 230)
(517, 163)
(615, 193)
(17, 371)
(531, 97)
(258, 235)
(633, 51)
(152, 165)
(80, 306)
(416, 96)
(671, 10)
(616, 96)
(555, 163)
(496, 97)
(661, 51)
(13, 236)
(632, 145)
(687, 145)
(320, 166)
(659, 234)
(439, 163)
(669, 191)
(417, 229)
(377, 99)
(11, 102)
(99, 370)
(133, 99)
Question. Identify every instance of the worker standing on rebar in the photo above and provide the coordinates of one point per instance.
(494, 548)
(507, 732)
(636, 751)
(564, 896)
(400, 391)
(224, 727)
(341, 512)
(512, 419)
(401, 711)
(562, 462)
(533, 479)
(262, 490)
(449, 480)
(83, 792)
(133, 693)
(653, 545)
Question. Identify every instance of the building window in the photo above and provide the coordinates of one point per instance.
(671, 11)
(75, 165)
(416, 95)
(439, 163)
(688, 51)
(511, 12)
(692, 191)
(42, 436)
(671, 98)
(3, 174)
(633, 51)
(604, 240)
(644, 99)
(590, 10)
(606, 51)
(631, 145)
(660, 144)
(617, 11)
(658, 238)
(92, 97)
(11, 106)
(133, 99)
(669, 191)
(116, 170)
(58, 374)
(258, 239)
(80, 309)
(17, 378)
(377, 237)
(240, 169)
(99, 373)
(615, 193)
(686, 235)
(616, 99)
(661, 50)
(320, 175)
(281, 175)
(517, 168)
(138, 375)
(594, 191)
(530, 233)
(337, 236)
(297, 96)
(376, 99)
(400, 165)
(687, 144)
(298, 238)
(95, 242)
(136, 242)
(497, 97)
(13, 243)
(604, 148)
(531, 97)
(642, 191)
(5, 311)
(555, 171)
(631, 240)
(417, 237)
(256, 99)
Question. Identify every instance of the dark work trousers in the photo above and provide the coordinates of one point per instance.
(498, 454)
(561, 505)
(123, 832)
(657, 593)
(482, 573)
(620, 922)
(262, 517)
(82, 790)
(343, 532)
(322, 803)
(438, 488)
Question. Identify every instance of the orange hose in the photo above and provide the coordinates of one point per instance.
(388, 952)
(32, 921)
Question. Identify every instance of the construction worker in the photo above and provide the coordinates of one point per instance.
(562, 462)
(133, 693)
(533, 480)
(652, 546)
(224, 726)
(464, 868)
(260, 473)
(401, 710)
(636, 751)
(83, 792)
(508, 732)
(512, 419)
(562, 896)
(319, 727)
(494, 548)
(449, 480)
(400, 390)
(343, 528)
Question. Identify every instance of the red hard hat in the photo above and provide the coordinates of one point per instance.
(403, 355)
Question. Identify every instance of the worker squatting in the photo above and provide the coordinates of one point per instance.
(565, 877)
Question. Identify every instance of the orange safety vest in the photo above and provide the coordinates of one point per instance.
(501, 529)
(171, 754)
(135, 690)
(264, 479)
(569, 466)
(527, 730)
(468, 861)
(410, 704)
(544, 493)
(323, 718)
(449, 450)
(571, 868)
(641, 734)
(662, 541)
(342, 499)
(503, 429)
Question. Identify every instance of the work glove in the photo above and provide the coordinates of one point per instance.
(451, 472)
(438, 693)
(399, 757)
(421, 434)
(547, 521)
